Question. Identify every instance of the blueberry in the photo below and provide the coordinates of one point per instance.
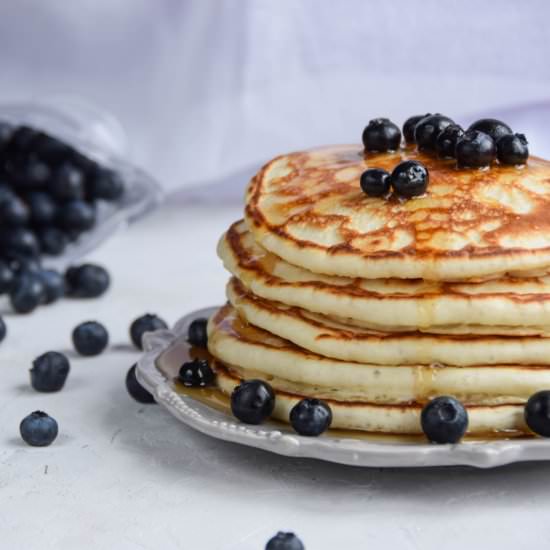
(105, 184)
(50, 149)
(20, 142)
(284, 541)
(54, 285)
(427, 130)
(85, 164)
(381, 135)
(252, 401)
(6, 131)
(196, 374)
(77, 215)
(23, 264)
(512, 149)
(6, 277)
(197, 335)
(410, 179)
(38, 429)
(475, 150)
(42, 207)
(49, 372)
(408, 127)
(90, 338)
(146, 323)
(13, 211)
(19, 242)
(311, 417)
(52, 241)
(375, 182)
(537, 413)
(87, 281)
(135, 389)
(3, 329)
(492, 127)
(68, 182)
(33, 174)
(27, 292)
(445, 143)
(444, 420)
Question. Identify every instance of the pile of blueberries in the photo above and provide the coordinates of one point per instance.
(484, 142)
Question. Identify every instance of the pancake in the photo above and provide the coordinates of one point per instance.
(505, 306)
(308, 209)
(338, 340)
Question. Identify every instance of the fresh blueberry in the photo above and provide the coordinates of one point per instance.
(311, 417)
(13, 211)
(444, 420)
(43, 208)
(135, 389)
(408, 127)
(410, 179)
(105, 184)
(252, 401)
(90, 338)
(284, 541)
(492, 127)
(24, 264)
(50, 149)
(27, 292)
(77, 215)
(87, 281)
(512, 149)
(197, 335)
(68, 182)
(475, 150)
(6, 277)
(375, 182)
(19, 242)
(52, 241)
(196, 374)
(3, 329)
(445, 143)
(381, 135)
(54, 285)
(146, 323)
(84, 163)
(427, 130)
(33, 174)
(537, 413)
(21, 142)
(49, 372)
(38, 429)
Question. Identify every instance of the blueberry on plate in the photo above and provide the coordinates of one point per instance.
(537, 413)
(51, 150)
(33, 173)
(444, 420)
(135, 389)
(427, 130)
(54, 285)
(49, 371)
(375, 182)
(13, 211)
(284, 541)
(196, 374)
(27, 292)
(512, 149)
(381, 134)
(3, 329)
(77, 215)
(146, 323)
(445, 144)
(87, 281)
(492, 127)
(105, 184)
(52, 241)
(38, 429)
(90, 338)
(311, 417)
(197, 334)
(475, 150)
(42, 207)
(252, 401)
(19, 242)
(67, 182)
(7, 277)
(410, 179)
(20, 142)
(408, 127)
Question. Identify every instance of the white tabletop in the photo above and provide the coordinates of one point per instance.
(122, 475)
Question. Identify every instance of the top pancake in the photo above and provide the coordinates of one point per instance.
(308, 208)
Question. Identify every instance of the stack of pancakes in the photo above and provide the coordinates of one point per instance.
(377, 305)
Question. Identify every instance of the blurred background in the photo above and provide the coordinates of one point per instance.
(207, 90)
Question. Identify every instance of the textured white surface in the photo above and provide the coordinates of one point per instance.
(129, 476)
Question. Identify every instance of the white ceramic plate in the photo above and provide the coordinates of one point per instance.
(166, 347)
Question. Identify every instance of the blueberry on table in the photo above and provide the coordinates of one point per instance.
(87, 281)
(445, 144)
(49, 372)
(18, 241)
(27, 292)
(52, 240)
(68, 182)
(512, 149)
(42, 207)
(54, 285)
(381, 135)
(408, 127)
(135, 389)
(311, 417)
(196, 374)
(13, 211)
(197, 334)
(38, 429)
(427, 130)
(105, 184)
(7, 277)
(90, 338)
(537, 413)
(3, 329)
(252, 401)
(410, 179)
(475, 150)
(492, 127)
(284, 541)
(146, 323)
(375, 182)
(444, 420)
(77, 215)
